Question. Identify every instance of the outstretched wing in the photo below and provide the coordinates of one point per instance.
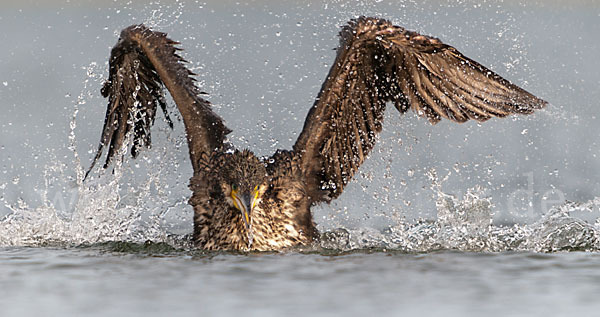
(142, 62)
(376, 63)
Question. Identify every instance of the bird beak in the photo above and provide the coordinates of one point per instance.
(244, 204)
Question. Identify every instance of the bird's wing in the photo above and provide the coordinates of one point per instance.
(376, 63)
(142, 62)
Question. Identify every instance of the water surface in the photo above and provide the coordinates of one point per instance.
(99, 282)
(494, 219)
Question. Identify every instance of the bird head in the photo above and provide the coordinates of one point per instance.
(243, 184)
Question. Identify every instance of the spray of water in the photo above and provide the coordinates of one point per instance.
(466, 225)
(107, 208)
(101, 213)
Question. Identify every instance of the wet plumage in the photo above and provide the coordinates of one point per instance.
(244, 202)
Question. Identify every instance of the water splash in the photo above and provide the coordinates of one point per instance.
(466, 225)
(101, 214)
(103, 208)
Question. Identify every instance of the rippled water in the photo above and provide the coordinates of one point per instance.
(137, 280)
(495, 219)
(458, 264)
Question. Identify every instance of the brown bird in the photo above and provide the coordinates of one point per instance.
(243, 202)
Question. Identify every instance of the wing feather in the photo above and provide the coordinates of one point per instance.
(141, 64)
(376, 63)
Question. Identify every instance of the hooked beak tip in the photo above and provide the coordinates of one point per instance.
(245, 207)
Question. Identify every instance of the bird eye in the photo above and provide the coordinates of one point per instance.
(234, 187)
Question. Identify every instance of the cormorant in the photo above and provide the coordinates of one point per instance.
(243, 202)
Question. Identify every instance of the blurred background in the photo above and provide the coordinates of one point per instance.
(262, 63)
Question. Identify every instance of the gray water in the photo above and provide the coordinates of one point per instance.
(499, 219)
(102, 282)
